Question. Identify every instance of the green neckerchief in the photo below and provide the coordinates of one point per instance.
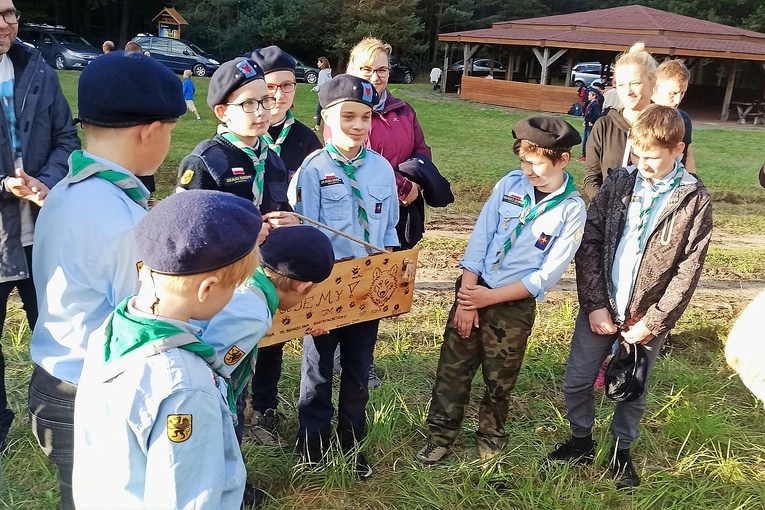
(350, 170)
(258, 160)
(528, 214)
(653, 192)
(276, 146)
(81, 167)
(126, 332)
(242, 374)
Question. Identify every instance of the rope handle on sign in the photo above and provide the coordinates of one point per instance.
(340, 233)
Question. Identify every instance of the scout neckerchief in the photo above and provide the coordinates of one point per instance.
(82, 167)
(258, 160)
(350, 169)
(380, 106)
(528, 214)
(276, 146)
(653, 190)
(241, 374)
(126, 332)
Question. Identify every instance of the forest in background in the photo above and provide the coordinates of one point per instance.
(309, 28)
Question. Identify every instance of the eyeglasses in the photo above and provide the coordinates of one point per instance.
(286, 88)
(11, 17)
(253, 105)
(381, 72)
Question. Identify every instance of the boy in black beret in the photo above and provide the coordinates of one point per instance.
(293, 141)
(85, 254)
(237, 160)
(156, 407)
(525, 237)
(352, 189)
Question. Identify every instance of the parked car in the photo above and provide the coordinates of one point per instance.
(481, 65)
(587, 73)
(59, 47)
(305, 72)
(400, 71)
(178, 54)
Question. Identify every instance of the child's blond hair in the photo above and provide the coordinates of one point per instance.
(366, 51)
(657, 125)
(673, 70)
(523, 148)
(638, 57)
(187, 73)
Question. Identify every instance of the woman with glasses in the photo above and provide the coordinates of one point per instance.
(237, 159)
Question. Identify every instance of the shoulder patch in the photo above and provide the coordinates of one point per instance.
(188, 174)
(233, 356)
(178, 427)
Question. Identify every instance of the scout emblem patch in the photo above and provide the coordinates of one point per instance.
(367, 92)
(188, 174)
(513, 199)
(247, 70)
(378, 207)
(543, 241)
(233, 356)
(178, 427)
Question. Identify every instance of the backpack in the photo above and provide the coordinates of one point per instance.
(576, 109)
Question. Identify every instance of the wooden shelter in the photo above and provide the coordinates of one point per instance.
(169, 23)
(612, 30)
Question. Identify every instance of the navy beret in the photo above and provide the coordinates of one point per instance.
(272, 59)
(197, 231)
(547, 132)
(230, 76)
(345, 87)
(128, 89)
(299, 252)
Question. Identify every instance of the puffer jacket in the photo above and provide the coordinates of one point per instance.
(674, 252)
(48, 137)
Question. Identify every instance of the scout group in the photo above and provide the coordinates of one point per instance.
(149, 320)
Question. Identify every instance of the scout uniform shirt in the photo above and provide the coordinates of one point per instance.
(153, 428)
(321, 190)
(542, 250)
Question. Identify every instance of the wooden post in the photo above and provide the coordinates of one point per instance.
(446, 67)
(729, 89)
(465, 59)
(571, 57)
(510, 66)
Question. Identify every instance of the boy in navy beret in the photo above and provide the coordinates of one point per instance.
(525, 237)
(293, 141)
(156, 407)
(85, 253)
(352, 189)
(237, 160)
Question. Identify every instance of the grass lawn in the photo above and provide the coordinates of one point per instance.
(703, 434)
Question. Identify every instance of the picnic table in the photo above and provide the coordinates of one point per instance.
(754, 109)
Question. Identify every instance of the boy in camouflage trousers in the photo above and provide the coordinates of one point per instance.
(526, 235)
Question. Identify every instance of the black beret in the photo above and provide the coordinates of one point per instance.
(197, 231)
(345, 87)
(230, 76)
(299, 252)
(272, 59)
(128, 89)
(547, 132)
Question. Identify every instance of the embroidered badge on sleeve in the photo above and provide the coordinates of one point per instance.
(178, 427)
(233, 356)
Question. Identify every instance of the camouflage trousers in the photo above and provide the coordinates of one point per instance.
(497, 346)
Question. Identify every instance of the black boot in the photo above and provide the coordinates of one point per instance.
(350, 444)
(623, 469)
(6, 418)
(312, 448)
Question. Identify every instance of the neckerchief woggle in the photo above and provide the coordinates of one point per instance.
(276, 146)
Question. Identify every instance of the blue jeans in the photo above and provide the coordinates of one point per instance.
(357, 343)
(51, 409)
(585, 136)
(265, 380)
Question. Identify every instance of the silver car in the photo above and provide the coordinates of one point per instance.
(587, 73)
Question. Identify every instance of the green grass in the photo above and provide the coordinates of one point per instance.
(703, 435)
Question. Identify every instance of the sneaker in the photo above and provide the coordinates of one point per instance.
(623, 469)
(263, 427)
(374, 380)
(582, 159)
(567, 452)
(600, 382)
(432, 454)
(363, 469)
(6, 418)
(253, 497)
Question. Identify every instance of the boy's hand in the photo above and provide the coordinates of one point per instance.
(464, 320)
(473, 297)
(316, 331)
(601, 323)
(280, 219)
(264, 230)
(638, 334)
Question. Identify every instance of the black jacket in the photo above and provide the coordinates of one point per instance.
(300, 142)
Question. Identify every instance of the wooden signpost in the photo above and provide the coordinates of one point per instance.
(357, 290)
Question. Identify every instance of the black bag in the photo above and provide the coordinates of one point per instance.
(626, 372)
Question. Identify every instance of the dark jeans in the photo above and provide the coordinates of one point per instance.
(265, 381)
(318, 114)
(357, 343)
(51, 409)
(26, 290)
(587, 131)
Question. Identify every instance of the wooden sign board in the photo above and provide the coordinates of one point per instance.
(357, 291)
